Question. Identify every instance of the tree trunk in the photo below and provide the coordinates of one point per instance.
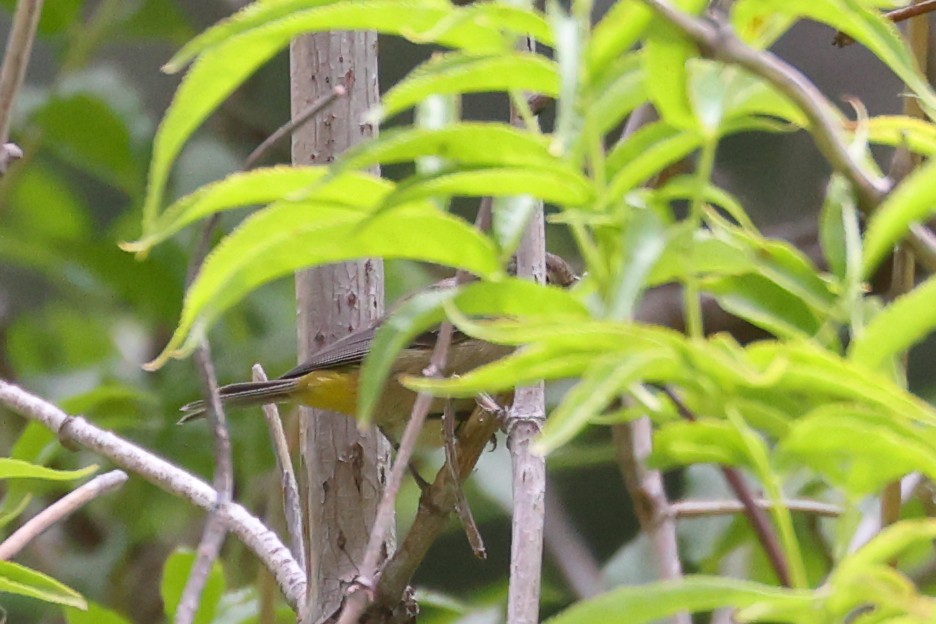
(343, 469)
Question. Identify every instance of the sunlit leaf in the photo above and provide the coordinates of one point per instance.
(287, 236)
(764, 304)
(651, 602)
(510, 297)
(913, 200)
(19, 469)
(17, 579)
(467, 143)
(856, 449)
(458, 72)
(262, 186)
(702, 442)
(558, 184)
(903, 323)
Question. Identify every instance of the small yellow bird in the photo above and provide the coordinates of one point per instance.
(329, 380)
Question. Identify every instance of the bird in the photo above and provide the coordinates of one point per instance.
(328, 380)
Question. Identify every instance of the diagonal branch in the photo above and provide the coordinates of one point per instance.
(59, 510)
(719, 42)
(76, 431)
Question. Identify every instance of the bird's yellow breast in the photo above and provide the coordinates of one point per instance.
(332, 390)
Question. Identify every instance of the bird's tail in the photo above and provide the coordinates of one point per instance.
(244, 394)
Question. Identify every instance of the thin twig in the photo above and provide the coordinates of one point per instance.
(435, 506)
(59, 510)
(252, 532)
(214, 531)
(287, 128)
(870, 524)
(761, 524)
(368, 577)
(897, 15)
(362, 594)
(461, 506)
(633, 443)
(524, 423)
(292, 506)
(15, 60)
(718, 41)
(702, 509)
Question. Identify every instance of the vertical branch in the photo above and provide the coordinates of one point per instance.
(524, 423)
(633, 443)
(343, 469)
(15, 59)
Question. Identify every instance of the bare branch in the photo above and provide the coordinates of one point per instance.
(524, 422)
(15, 59)
(297, 121)
(254, 534)
(758, 519)
(214, 531)
(435, 506)
(461, 506)
(718, 41)
(633, 443)
(367, 578)
(897, 15)
(59, 510)
(701, 509)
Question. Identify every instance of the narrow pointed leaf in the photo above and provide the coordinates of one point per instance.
(905, 322)
(458, 72)
(285, 237)
(18, 579)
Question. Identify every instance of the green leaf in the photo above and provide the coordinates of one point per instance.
(868, 27)
(511, 297)
(642, 243)
(175, 574)
(700, 442)
(615, 34)
(94, 614)
(645, 153)
(654, 601)
(510, 216)
(903, 323)
(557, 184)
(721, 93)
(100, 144)
(571, 35)
(912, 201)
(262, 186)
(858, 449)
(19, 469)
(476, 28)
(555, 349)
(17, 579)
(602, 383)
(235, 50)
(467, 143)
(616, 97)
(287, 236)
(913, 133)
(458, 72)
(814, 372)
(665, 53)
(763, 303)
